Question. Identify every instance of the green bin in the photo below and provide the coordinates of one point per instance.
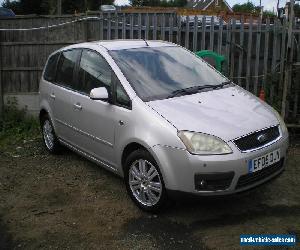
(212, 58)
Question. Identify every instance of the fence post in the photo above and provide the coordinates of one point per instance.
(242, 51)
(179, 29)
(187, 32)
(195, 37)
(86, 29)
(249, 55)
(1, 82)
(101, 26)
(116, 25)
(257, 57)
(59, 8)
(289, 61)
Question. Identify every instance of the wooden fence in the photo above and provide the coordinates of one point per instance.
(255, 52)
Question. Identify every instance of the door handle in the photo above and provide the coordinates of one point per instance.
(121, 123)
(77, 106)
(52, 96)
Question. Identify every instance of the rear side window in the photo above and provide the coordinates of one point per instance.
(65, 68)
(50, 69)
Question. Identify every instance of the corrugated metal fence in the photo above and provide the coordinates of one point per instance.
(255, 51)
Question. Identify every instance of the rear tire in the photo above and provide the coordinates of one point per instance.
(144, 181)
(49, 137)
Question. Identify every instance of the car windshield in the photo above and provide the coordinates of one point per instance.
(157, 72)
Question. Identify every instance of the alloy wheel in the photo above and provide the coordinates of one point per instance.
(145, 182)
(48, 134)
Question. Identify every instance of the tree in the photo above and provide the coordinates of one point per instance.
(248, 7)
(269, 13)
(23, 7)
(42, 7)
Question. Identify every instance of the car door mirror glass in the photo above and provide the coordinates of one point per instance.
(99, 94)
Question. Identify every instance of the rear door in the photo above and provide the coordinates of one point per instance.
(62, 91)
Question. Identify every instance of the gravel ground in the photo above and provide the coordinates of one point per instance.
(65, 201)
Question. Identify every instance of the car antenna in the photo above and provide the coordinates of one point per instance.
(146, 42)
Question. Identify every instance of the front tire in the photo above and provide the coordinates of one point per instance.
(49, 137)
(144, 181)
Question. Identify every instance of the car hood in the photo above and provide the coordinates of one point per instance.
(228, 113)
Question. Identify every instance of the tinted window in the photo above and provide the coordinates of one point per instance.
(94, 72)
(65, 67)
(50, 70)
(155, 73)
(122, 98)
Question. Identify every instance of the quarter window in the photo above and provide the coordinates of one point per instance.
(94, 72)
(49, 74)
(65, 68)
(122, 98)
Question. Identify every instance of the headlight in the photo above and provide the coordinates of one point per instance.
(204, 144)
(283, 127)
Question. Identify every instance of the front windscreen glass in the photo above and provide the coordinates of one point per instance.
(157, 72)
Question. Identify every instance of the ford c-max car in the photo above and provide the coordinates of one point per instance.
(159, 116)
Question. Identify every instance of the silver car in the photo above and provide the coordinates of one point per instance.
(159, 116)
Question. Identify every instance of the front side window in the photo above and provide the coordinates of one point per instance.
(156, 72)
(94, 72)
(65, 68)
(50, 70)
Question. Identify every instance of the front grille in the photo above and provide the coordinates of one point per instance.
(257, 139)
(248, 179)
(213, 181)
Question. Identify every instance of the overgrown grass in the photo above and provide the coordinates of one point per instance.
(16, 125)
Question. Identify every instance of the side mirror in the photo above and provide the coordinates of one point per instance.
(99, 94)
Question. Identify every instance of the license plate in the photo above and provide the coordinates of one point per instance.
(263, 161)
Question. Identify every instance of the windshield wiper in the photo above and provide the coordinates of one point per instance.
(196, 89)
(223, 84)
(179, 92)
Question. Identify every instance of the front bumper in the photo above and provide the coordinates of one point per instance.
(182, 171)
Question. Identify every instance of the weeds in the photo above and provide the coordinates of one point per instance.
(16, 125)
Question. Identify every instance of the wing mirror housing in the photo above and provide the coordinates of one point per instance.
(99, 94)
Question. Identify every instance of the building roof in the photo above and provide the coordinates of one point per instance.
(199, 4)
(203, 4)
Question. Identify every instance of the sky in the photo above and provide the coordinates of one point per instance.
(269, 4)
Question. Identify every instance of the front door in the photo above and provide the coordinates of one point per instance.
(94, 120)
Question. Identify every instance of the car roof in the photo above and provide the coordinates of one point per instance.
(121, 44)
(132, 44)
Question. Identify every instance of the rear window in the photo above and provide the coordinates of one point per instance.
(50, 70)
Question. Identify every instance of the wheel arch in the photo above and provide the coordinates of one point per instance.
(128, 149)
(135, 145)
(42, 113)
